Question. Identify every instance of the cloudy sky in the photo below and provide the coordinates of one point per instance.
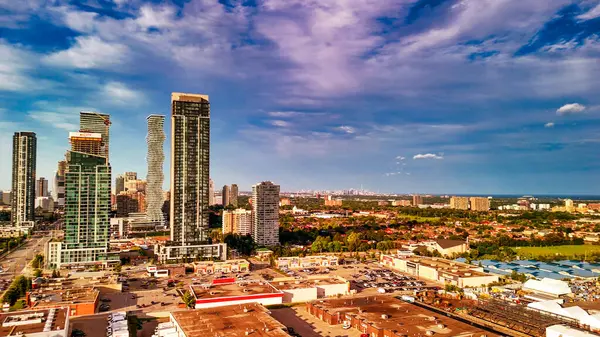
(428, 96)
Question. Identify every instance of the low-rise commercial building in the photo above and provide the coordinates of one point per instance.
(51, 322)
(173, 251)
(296, 291)
(225, 267)
(385, 316)
(81, 301)
(439, 270)
(229, 292)
(234, 320)
(307, 261)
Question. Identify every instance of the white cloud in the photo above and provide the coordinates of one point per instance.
(283, 114)
(280, 123)
(89, 52)
(400, 158)
(65, 121)
(571, 108)
(428, 156)
(119, 93)
(591, 14)
(346, 129)
(549, 125)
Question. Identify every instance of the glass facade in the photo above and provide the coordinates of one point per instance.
(87, 208)
(190, 146)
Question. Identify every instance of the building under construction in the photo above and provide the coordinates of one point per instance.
(86, 142)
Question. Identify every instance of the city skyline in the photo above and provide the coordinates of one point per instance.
(442, 97)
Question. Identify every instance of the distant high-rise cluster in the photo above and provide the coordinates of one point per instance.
(229, 196)
(481, 204)
(155, 158)
(417, 200)
(265, 207)
(23, 177)
(59, 185)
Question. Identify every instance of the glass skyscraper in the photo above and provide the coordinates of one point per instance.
(190, 150)
(155, 177)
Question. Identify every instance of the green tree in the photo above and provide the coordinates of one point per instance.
(189, 300)
(353, 241)
(37, 273)
(118, 268)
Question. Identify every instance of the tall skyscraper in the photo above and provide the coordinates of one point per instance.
(41, 187)
(94, 122)
(265, 205)
(155, 158)
(86, 142)
(23, 177)
(119, 184)
(59, 185)
(225, 196)
(190, 150)
(87, 208)
(233, 195)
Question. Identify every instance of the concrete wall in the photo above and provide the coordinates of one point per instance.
(477, 281)
(300, 295)
(328, 290)
(428, 273)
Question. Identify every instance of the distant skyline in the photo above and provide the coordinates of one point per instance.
(400, 96)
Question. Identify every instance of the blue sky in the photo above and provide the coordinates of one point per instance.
(428, 96)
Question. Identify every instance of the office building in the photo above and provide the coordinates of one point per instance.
(119, 184)
(59, 185)
(417, 200)
(98, 123)
(238, 221)
(233, 195)
(225, 196)
(190, 155)
(86, 142)
(459, 203)
(480, 204)
(23, 177)
(568, 203)
(155, 158)
(265, 205)
(41, 187)
(190, 150)
(211, 192)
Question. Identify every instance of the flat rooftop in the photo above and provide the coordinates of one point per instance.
(306, 283)
(31, 321)
(229, 320)
(447, 266)
(68, 296)
(405, 318)
(233, 289)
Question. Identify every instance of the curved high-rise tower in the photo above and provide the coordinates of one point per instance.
(155, 159)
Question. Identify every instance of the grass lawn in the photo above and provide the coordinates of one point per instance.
(567, 250)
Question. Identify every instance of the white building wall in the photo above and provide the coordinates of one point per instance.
(300, 295)
(328, 290)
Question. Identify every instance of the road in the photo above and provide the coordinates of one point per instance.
(15, 262)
